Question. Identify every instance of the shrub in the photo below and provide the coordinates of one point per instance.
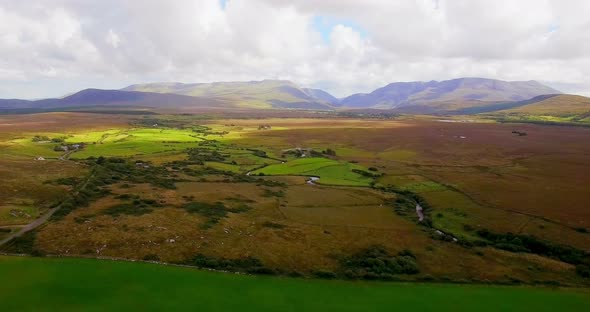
(271, 193)
(583, 270)
(40, 138)
(246, 264)
(151, 257)
(532, 244)
(214, 212)
(273, 225)
(70, 181)
(24, 244)
(127, 209)
(324, 274)
(376, 263)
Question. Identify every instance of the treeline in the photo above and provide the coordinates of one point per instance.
(367, 174)
(246, 265)
(531, 244)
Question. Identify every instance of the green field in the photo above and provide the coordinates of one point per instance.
(330, 171)
(51, 284)
(134, 142)
(113, 142)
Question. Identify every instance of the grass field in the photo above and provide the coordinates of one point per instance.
(67, 284)
(173, 187)
(330, 171)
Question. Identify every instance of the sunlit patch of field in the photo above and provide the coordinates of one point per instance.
(25, 148)
(331, 172)
(131, 142)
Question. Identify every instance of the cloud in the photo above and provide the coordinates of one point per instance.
(49, 48)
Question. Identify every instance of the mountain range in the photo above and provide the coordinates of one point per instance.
(456, 96)
(253, 94)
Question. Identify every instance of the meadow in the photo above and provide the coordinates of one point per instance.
(329, 171)
(99, 285)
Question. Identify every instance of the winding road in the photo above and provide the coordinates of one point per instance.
(42, 219)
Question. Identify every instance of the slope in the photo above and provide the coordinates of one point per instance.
(97, 99)
(248, 94)
(448, 95)
(558, 105)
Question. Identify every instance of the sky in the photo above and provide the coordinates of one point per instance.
(50, 48)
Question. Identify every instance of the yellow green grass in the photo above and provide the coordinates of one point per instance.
(330, 171)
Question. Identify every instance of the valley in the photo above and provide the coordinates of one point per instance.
(235, 194)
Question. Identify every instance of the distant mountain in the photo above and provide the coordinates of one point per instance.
(112, 98)
(457, 96)
(250, 94)
(322, 95)
(448, 95)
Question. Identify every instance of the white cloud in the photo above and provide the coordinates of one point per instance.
(113, 39)
(111, 43)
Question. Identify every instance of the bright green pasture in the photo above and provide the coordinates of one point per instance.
(24, 147)
(129, 142)
(67, 284)
(330, 171)
(113, 142)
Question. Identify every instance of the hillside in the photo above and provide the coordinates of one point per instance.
(561, 108)
(448, 95)
(457, 96)
(558, 105)
(95, 98)
(248, 94)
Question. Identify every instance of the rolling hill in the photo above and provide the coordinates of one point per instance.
(557, 105)
(446, 96)
(248, 94)
(555, 108)
(96, 98)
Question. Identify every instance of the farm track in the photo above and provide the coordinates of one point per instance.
(42, 219)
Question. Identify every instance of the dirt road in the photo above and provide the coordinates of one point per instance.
(42, 219)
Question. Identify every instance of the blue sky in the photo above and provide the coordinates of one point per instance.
(325, 24)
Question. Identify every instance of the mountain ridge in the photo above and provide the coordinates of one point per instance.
(267, 93)
(455, 96)
(470, 90)
(111, 98)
